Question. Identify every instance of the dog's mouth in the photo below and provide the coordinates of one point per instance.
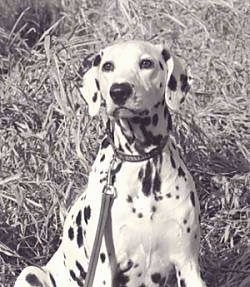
(123, 112)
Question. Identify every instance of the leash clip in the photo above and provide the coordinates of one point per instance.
(110, 190)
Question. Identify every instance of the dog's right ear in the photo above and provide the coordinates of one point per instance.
(91, 87)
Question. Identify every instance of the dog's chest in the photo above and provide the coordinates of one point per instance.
(150, 199)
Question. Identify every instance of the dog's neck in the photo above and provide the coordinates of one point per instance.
(139, 135)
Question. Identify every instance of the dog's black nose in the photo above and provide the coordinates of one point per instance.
(120, 93)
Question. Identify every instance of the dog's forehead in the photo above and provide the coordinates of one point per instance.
(130, 50)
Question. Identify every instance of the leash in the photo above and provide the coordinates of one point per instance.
(108, 196)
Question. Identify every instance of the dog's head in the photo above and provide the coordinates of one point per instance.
(132, 77)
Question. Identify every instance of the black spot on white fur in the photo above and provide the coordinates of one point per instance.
(52, 279)
(97, 60)
(161, 66)
(94, 98)
(156, 278)
(165, 54)
(71, 233)
(172, 160)
(79, 237)
(147, 182)
(181, 172)
(97, 84)
(83, 273)
(172, 84)
(79, 218)
(182, 283)
(185, 87)
(105, 143)
(33, 280)
(192, 198)
(155, 120)
(87, 213)
(102, 257)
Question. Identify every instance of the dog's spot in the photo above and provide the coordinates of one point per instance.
(170, 124)
(188, 230)
(140, 215)
(115, 171)
(72, 275)
(177, 197)
(79, 238)
(94, 98)
(142, 285)
(165, 112)
(97, 84)
(127, 147)
(102, 158)
(172, 84)
(139, 274)
(182, 100)
(121, 279)
(87, 213)
(147, 182)
(140, 174)
(182, 283)
(185, 87)
(97, 60)
(159, 197)
(177, 187)
(168, 195)
(172, 160)
(83, 273)
(85, 252)
(105, 143)
(71, 233)
(161, 66)
(185, 221)
(136, 120)
(155, 120)
(157, 182)
(150, 138)
(157, 105)
(192, 198)
(156, 278)
(161, 85)
(79, 218)
(181, 172)
(165, 54)
(120, 147)
(129, 199)
(33, 280)
(133, 210)
(103, 257)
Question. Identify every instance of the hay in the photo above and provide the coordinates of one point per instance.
(48, 142)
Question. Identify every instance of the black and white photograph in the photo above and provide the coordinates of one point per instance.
(124, 143)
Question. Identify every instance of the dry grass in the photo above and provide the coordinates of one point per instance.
(48, 142)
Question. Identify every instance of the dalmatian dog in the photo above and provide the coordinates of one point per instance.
(154, 218)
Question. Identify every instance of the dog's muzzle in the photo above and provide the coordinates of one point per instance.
(120, 93)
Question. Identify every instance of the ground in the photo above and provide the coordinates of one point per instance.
(48, 142)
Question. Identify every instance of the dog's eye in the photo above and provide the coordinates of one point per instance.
(146, 64)
(108, 67)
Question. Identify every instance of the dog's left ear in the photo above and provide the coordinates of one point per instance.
(177, 81)
(91, 88)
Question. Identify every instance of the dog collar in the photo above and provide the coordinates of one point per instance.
(136, 158)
